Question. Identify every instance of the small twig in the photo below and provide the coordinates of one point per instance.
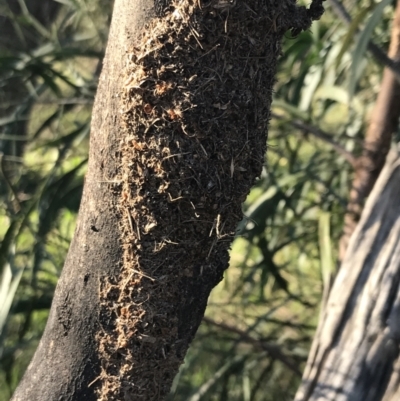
(130, 222)
(273, 350)
(14, 196)
(175, 155)
(133, 272)
(320, 134)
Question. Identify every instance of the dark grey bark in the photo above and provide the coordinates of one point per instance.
(178, 137)
(355, 353)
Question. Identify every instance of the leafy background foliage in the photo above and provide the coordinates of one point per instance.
(255, 337)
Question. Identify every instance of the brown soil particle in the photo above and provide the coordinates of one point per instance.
(195, 108)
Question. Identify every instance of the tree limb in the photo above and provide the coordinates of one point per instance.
(384, 121)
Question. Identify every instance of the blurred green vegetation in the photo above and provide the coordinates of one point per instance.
(254, 341)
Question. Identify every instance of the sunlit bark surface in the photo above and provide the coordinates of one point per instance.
(355, 353)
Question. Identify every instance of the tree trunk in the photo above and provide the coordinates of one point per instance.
(355, 353)
(178, 137)
(384, 122)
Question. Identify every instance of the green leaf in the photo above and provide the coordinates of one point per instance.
(9, 282)
(353, 28)
(201, 393)
(292, 110)
(362, 43)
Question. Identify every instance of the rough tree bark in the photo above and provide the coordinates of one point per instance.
(355, 353)
(383, 123)
(178, 137)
